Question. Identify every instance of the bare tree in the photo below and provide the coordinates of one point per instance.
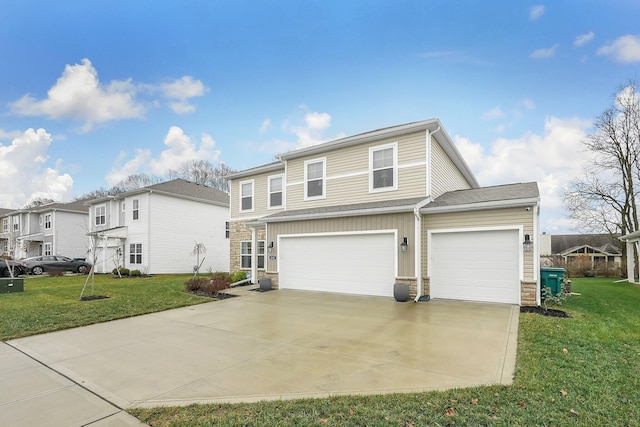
(133, 182)
(203, 172)
(604, 198)
(39, 201)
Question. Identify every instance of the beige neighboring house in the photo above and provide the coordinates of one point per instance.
(399, 204)
(51, 229)
(599, 249)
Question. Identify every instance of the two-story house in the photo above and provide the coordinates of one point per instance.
(155, 229)
(51, 229)
(399, 204)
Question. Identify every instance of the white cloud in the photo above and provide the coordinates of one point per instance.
(625, 49)
(24, 174)
(495, 113)
(180, 149)
(544, 52)
(583, 39)
(311, 130)
(79, 95)
(528, 104)
(536, 12)
(551, 159)
(180, 91)
(265, 126)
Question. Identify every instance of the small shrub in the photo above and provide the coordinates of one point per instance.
(135, 273)
(219, 281)
(237, 276)
(197, 284)
(55, 273)
(549, 300)
(124, 271)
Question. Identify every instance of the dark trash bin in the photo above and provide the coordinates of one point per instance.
(265, 284)
(553, 278)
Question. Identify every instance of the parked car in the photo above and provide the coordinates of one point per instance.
(40, 264)
(18, 267)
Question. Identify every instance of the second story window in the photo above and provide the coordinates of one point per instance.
(314, 177)
(135, 208)
(246, 196)
(101, 214)
(47, 221)
(383, 168)
(16, 223)
(275, 191)
(5, 224)
(227, 229)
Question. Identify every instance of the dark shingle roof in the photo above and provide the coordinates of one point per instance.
(346, 210)
(560, 243)
(75, 206)
(498, 193)
(186, 188)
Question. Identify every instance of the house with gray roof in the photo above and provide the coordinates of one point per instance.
(50, 229)
(396, 205)
(583, 251)
(155, 229)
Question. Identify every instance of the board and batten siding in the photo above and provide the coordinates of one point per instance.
(174, 227)
(445, 176)
(481, 219)
(260, 196)
(402, 222)
(347, 174)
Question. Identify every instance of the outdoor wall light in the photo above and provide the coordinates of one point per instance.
(527, 245)
(404, 245)
(270, 246)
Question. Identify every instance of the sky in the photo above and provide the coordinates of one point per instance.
(94, 91)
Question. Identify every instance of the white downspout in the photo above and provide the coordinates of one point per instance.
(254, 255)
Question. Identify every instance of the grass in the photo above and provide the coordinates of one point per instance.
(51, 303)
(581, 371)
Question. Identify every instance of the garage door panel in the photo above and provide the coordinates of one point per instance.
(356, 264)
(479, 266)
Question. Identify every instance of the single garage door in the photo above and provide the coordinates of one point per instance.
(476, 266)
(361, 264)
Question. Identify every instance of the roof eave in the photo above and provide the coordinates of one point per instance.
(498, 204)
(342, 214)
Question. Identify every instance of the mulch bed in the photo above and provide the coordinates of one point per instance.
(216, 295)
(93, 297)
(541, 311)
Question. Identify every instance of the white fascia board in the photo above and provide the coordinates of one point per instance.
(499, 204)
(271, 167)
(358, 212)
(631, 237)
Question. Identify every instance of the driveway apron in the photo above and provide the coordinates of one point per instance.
(284, 344)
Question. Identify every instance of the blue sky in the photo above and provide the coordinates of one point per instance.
(91, 92)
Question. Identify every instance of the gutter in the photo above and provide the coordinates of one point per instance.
(357, 212)
(515, 203)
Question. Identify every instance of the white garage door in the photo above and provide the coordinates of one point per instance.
(476, 266)
(354, 264)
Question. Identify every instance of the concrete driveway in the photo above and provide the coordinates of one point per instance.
(284, 344)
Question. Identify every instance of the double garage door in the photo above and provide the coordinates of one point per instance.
(476, 266)
(361, 264)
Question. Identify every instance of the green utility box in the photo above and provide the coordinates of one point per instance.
(553, 278)
(9, 286)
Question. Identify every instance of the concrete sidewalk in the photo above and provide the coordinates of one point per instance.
(271, 345)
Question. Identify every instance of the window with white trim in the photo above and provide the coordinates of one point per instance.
(40, 220)
(383, 168)
(47, 249)
(5, 224)
(246, 252)
(16, 223)
(135, 253)
(100, 214)
(275, 191)
(314, 178)
(227, 229)
(135, 208)
(47, 221)
(246, 196)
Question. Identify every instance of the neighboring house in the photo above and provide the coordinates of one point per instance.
(155, 229)
(399, 204)
(601, 250)
(51, 229)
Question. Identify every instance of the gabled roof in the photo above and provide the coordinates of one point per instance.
(75, 206)
(177, 187)
(4, 211)
(270, 167)
(562, 243)
(604, 249)
(433, 125)
(510, 195)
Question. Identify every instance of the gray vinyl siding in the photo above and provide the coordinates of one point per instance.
(445, 175)
(402, 222)
(347, 174)
(481, 219)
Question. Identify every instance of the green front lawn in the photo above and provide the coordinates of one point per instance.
(51, 303)
(581, 371)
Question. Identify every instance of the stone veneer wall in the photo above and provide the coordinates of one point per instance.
(413, 284)
(239, 232)
(528, 293)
